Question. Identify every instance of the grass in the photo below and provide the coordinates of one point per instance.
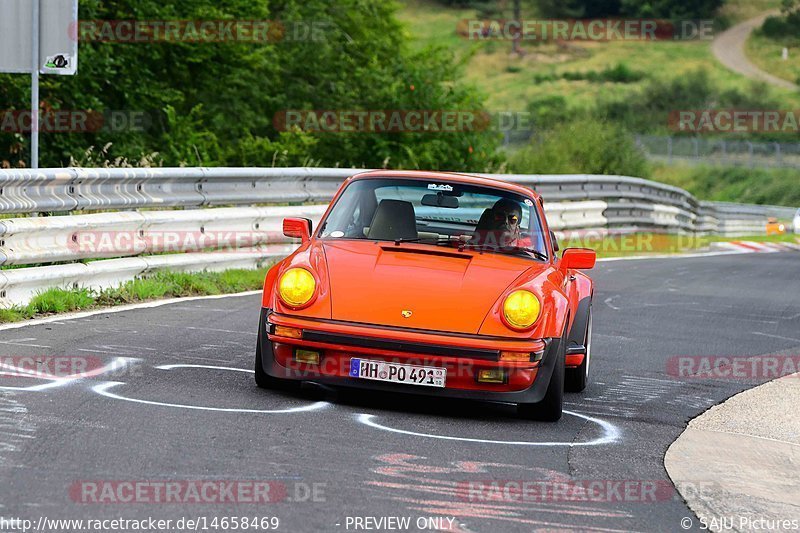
(159, 285)
(733, 184)
(510, 81)
(766, 54)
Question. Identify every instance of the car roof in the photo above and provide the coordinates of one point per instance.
(448, 176)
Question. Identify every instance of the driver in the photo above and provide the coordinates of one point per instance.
(501, 226)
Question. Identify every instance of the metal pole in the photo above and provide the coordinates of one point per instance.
(35, 86)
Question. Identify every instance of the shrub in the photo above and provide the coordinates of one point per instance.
(586, 146)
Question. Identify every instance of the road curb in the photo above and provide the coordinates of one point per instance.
(737, 464)
(60, 317)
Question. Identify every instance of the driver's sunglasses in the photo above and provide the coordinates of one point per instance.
(511, 218)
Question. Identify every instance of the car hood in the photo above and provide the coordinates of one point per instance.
(417, 286)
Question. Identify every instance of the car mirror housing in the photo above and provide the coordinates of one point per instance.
(578, 258)
(298, 228)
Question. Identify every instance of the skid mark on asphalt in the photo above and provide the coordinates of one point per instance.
(24, 342)
(445, 490)
(775, 336)
(14, 427)
(611, 433)
(624, 399)
(117, 349)
(196, 328)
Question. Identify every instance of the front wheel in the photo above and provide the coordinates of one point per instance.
(551, 406)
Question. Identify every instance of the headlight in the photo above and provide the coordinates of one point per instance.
(521, 309)
(296, 287)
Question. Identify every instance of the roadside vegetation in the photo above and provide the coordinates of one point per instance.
(587, 100)
(159, 285)
(766, 44)
(216, 103)
(647, 244)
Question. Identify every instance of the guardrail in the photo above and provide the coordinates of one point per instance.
(126, 239)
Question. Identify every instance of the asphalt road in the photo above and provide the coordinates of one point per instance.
(729, 49)
(377, 455)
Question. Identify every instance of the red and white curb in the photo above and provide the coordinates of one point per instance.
(756, 247)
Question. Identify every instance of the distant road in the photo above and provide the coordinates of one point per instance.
(728, 48)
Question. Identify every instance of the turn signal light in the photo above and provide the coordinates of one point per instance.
(515, 357)
(492, 376)
(291, 333)
(306, 356)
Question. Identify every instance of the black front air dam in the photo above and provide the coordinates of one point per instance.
(535, 393)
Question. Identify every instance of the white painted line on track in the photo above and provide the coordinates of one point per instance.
(170, 367)
(611, 433)
(103, 390)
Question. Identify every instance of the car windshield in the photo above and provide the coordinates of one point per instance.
(438, 213)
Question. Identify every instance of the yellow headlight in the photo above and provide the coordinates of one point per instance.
(521, 309)
(296, 286)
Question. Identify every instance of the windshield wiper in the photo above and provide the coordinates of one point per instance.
(398, 241)
(441, 239)
(533, 251)
(505, 249)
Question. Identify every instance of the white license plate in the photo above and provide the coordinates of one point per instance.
(397, 373)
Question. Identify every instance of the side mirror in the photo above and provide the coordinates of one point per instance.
(578, 258)
(297, 228)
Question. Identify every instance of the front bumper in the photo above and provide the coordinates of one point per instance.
(461, 355)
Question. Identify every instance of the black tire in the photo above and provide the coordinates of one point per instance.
(552, 405)
(576, 379)
(265, 381)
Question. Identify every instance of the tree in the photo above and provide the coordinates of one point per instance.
(213, 103)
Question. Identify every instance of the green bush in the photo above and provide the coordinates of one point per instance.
(648, 111)
(547, 110)
(590, 147)
(777, 27)
(619, 73)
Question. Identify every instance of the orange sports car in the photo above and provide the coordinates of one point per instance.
(434, 283)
